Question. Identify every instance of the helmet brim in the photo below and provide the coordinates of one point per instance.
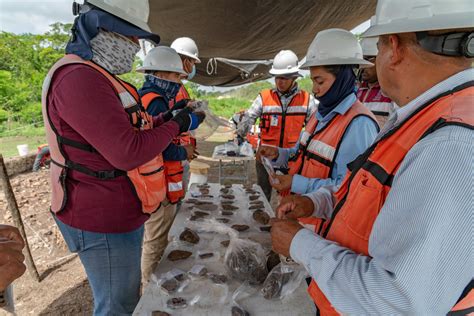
(337, 61)
(432, 23)
(284, 72)
(196, 59)
(144, 69)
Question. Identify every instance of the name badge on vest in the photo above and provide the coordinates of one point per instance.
(274, 120)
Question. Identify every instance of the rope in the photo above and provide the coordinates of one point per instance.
(211, 67)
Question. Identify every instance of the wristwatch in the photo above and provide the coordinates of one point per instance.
(3, 301)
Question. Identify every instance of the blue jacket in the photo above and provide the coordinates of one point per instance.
(160, 105)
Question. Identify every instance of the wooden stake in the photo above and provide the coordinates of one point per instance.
(13, 206)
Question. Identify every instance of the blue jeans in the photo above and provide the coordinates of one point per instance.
(112, 264)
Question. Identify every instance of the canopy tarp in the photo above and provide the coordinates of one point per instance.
(237, 38)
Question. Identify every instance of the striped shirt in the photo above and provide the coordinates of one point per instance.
(421, 245)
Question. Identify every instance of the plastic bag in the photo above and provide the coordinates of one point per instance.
(267, 164)
(205, 293)
(242, 292)
(228, 149)
(8, 305)
(283, 280)
(245, 260)
(172, 281)
(246, 150)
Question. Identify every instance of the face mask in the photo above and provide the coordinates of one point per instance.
(167, 88)
(113, 52)
(192, 73)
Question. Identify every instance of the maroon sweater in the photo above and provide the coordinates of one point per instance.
(84, 107)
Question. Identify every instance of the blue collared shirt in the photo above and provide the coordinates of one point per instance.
(359, 136)
(421, 244)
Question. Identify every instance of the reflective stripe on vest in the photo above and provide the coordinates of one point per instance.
(185, 138)
(282, 128)
(316, 158)
(351, 224)
(148, 179)
(173, 169)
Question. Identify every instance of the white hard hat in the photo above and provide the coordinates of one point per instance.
(162, 58)
(402, 16)
(134, 12)
(187, 47)
(285, 63)
(369, 46)
(335, 47)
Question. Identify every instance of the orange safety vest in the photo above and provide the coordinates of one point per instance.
(184, 138)
(148, 180)
(370, 176)
(173, 169)
(282, 128)
(317, 150)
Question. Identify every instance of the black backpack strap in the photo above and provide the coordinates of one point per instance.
(75, 144)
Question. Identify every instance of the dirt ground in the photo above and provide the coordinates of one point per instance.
(64, 289)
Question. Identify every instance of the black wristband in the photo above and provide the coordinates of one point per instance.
(168, 115)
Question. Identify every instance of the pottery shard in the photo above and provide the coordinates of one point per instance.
(208, 196)
(199, 202)
(261, 217)
(206, 255)
(227, 202)
(179, 255)
(252, 192)
(274, 283)
(238, 311)
(226, 191)
(217, 278)
(266, 229)
(229, 207)
(225, 243)
(206, 207)
(170, 286)
(227, 213)
(223, 220)
(253, 197)
(255, 202)
(189, 236)
(159, 313)
(273, 259)
(255, 207)
(240, 228)
(176, 302)
(244, 265)
(200, 214)
(228, 196)
(191, 201)
(204, 191)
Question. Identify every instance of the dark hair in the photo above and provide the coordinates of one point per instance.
(335, 69)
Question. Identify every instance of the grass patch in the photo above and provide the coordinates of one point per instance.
(226, 107)
(8, 144)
